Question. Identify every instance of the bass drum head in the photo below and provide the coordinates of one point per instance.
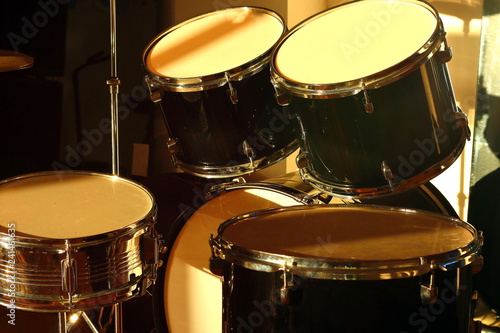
(187, 296)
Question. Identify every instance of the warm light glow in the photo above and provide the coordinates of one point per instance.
(454, 25)
(74, 317)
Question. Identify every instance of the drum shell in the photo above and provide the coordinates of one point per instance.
(107, 271)
(344, 146)
(390, 295)
(209, 130)
(107, 268)
(251, 302)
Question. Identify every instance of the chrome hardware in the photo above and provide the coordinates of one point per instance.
(232, 92)
(154, 93)
(477, 265)
(429, 292)
(151, 248)
(216, 263)
(68, 275)
(282, 98)
(173, 149)
(388, 174)
(249, 152)
(444, 54)
(285, 291)
(367, 104)
(220, 188)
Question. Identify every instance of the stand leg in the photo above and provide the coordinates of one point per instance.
(89, 322)
(63, 322)
(118, 318)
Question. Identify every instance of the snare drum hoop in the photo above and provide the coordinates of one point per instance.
(83, 301)
(373, 81)
(190, 84)
(76, 242)
(344, 269)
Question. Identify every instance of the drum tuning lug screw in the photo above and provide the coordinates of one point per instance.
(367, 104)
(173, 149)
(429, 292)
(285, 290)
(386, 170)
(154, 94)
(282, 98)
(232, 92)
(444, 54)
(249, 152)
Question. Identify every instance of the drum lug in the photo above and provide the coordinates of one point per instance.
(367, 104)
(216, 263)
(220, 188)
(429, 292)
(154, 93)
(68, 275)
(282, 98)
(232, 92)
(249, 152)
(285, 291)
(287, 294)
(444, 54)
(173, 149)
(388, 174)
(151, 245)
(477, 265)
(461, 117)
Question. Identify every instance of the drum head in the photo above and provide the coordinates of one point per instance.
(72, 204)
(228, 39)
(326, 240)
(367, 42)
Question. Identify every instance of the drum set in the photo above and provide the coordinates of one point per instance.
(356, 240)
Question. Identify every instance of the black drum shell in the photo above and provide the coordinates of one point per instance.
(344, 146)
(252, 303)
(209, 129)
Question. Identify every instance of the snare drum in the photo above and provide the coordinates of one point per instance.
(211, 74)
(187, 296)
(75, 241)
(338, 268)
(374, 101)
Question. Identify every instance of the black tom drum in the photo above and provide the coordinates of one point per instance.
(211, 77)
(374, 101)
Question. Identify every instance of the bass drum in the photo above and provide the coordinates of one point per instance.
(187, 297)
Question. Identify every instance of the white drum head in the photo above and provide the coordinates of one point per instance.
(363, 233)
(214, 43)
(193, 295)
(71, 205)
(354, 41)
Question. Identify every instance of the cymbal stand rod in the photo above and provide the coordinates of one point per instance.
(63, 322)
(118, 318)
(113, 83)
